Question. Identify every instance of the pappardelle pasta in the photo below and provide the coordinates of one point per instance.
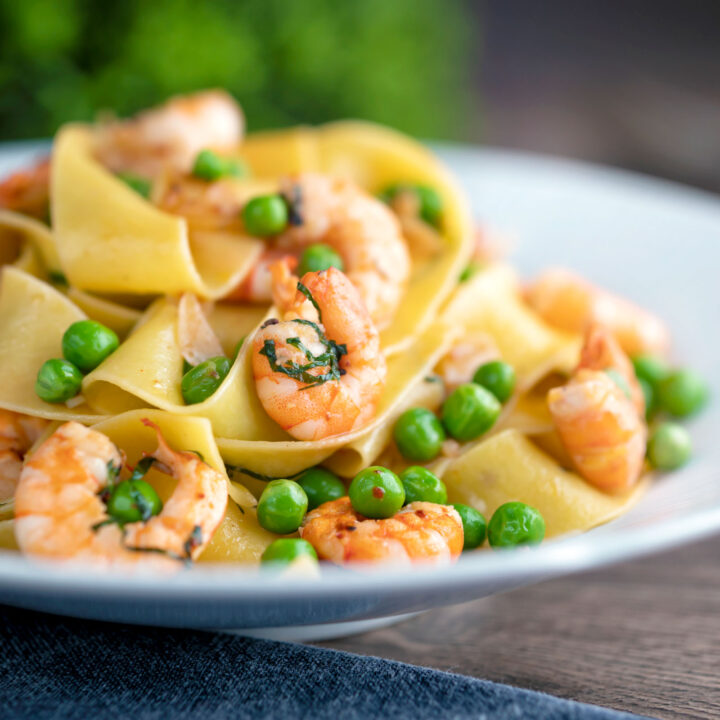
(295, 346)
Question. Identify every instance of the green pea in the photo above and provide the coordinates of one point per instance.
(208, 166)
(265, 215)
(283, 551)
(498, 377)
(419, 435)
(431, 204)
(669, 446)
(682, 393)
(474, 526)
(321, 486)
(319, 257)
(142, 186)
(650, 368)
(57, 381)
(201, 381)
(515, 523)
(133, 501)
(649, 394)
(87, 343)
(423, 486)
(469, 411)
(617, 377)
(282, 506)
(376, 492)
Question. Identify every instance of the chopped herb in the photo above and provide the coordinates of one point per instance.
(113, 472)
(193, 541)
(160, 551)
(142, 467)
(294, 203)
(142, 186)
(329, 359)
(142, 503)
(58, 278)
(470, 270)
(258, 476)
(199, 454)
(309, 296)
(102, 523)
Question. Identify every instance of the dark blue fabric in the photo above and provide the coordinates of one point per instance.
(59, 668)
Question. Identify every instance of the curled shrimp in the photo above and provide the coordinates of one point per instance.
(464, 357)
(601, 428)
(60, 512)
(320, 371)
(419, 532)
(360, 228)
(171, 135)
(601, 351)
(18, 433)
(568, 302)
(27, 191)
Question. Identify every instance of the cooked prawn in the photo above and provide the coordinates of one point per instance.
(420, 532)
(568, 302)
(18, 432)
(257, 286)
(360, 228)
(60, 513)
(27, 191)
(602, 429)
(601, 351)
(171, 135)
(465, 356)
(320, 372)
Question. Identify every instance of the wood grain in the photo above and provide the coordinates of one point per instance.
(642, 637)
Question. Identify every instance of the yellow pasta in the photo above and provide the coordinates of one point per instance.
(117, 317)
(27, 237)
(33, 318)
(7, 535)
(508, 467)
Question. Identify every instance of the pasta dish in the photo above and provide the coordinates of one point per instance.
(295, 346)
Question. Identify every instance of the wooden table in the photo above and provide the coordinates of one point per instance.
(642, 637)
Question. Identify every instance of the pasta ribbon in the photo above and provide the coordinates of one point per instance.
(508, 467)
(28, 244)
(33, 318)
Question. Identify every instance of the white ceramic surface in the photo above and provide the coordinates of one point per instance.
(656, 242)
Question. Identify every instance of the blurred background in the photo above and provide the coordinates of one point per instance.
(632, 84)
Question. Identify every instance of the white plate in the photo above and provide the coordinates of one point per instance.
(655, 242)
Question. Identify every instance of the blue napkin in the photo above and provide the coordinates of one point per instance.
(60, 668)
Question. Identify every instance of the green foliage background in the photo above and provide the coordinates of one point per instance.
(402, 62)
